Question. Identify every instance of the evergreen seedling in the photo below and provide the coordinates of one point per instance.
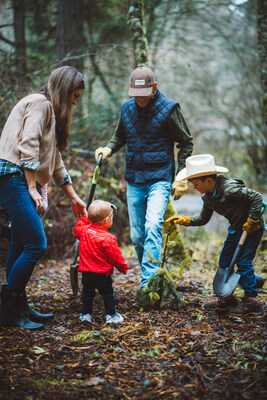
(162, 285)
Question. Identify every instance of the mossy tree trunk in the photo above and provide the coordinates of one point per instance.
(136, 23)
(262, 50)
(178, 251)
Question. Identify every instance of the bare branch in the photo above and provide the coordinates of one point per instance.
(6, 40)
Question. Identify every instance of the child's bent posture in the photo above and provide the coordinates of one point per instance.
(242, 207)
(99, 254)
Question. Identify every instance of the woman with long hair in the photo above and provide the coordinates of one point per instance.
(35, 134)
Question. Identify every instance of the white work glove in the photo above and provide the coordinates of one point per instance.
(106, 151)
(179, 188)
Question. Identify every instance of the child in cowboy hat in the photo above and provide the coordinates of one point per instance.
(242, 207)
(99, 254)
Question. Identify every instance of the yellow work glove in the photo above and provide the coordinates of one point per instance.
(106, 151)
(179, 188)
(177, 219)
(251, 226)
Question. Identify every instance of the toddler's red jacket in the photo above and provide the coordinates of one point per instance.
(99, 249)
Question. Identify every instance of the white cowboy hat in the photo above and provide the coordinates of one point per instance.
(200, 165)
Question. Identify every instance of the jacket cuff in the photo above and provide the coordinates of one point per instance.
(34, 165)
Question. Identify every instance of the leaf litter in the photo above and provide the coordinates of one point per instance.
(155, 354)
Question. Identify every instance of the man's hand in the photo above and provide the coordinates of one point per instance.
(106, 151)
(177, 219)
(251, 226)
(179, 188)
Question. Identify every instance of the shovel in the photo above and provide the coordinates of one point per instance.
(226, 279)
(74, 264)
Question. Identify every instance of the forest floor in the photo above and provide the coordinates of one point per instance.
(158, 354)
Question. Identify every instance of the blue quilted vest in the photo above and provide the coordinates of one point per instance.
(149, 156)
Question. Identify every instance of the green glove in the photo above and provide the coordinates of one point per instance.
(179, 188)
(106, 151)
(177, 219)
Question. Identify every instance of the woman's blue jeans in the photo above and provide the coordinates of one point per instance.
(146, 208)
(28, 241)
(245, 268)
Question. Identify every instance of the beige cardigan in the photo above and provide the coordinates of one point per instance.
(29, 136)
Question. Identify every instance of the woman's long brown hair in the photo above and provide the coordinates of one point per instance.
(61, 84)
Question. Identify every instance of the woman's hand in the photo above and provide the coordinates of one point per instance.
(78, 206)
(30, 176)
(37, 198)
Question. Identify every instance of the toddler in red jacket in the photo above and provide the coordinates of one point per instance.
(99, 254)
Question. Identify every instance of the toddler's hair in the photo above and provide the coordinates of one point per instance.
(99, 210)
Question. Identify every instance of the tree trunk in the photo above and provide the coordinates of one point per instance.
(19, 32)
(70, 32)
(140, 49)
(135, 20)
(262, 50)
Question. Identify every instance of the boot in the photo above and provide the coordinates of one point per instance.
(222, 304)
(32, 314)
(260, 281)
(249, 306)
(11, 314)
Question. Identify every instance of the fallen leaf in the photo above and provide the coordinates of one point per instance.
(95, 380)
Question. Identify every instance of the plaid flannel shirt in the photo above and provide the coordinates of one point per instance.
(6, 167)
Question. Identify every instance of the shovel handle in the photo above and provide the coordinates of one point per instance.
(94, 180)
(99, 159)
(243, 238)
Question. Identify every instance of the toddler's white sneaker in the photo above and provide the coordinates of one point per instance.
(86, 317)
(114, 319)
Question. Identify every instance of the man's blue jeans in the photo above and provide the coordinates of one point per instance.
(146, 208)
(245, 268)
(28, 241)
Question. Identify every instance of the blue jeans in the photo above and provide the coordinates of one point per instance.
(146, 208)
(245, 268)
(101, 282)
(28, 241)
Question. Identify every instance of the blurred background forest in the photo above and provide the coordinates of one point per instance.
(210, 56)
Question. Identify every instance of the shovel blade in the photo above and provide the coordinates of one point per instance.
(74, 279)
(222, 285)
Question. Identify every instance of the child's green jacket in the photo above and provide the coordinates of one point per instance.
(233, 200)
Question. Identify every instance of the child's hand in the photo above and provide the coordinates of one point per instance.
(177, 219)
(251, 226)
